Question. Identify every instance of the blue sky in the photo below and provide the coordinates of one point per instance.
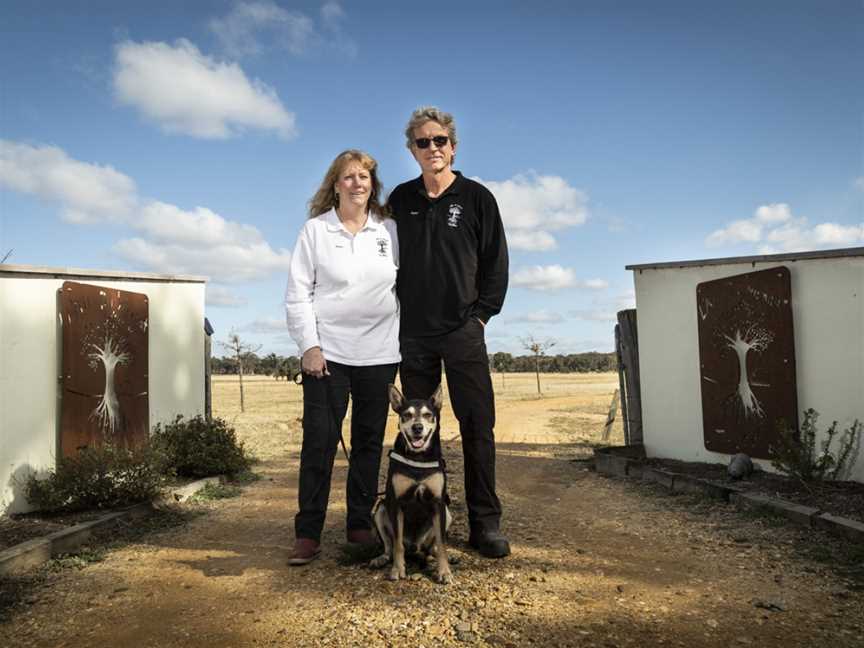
(189, 140)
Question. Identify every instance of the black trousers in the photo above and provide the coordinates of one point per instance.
(466, 364)
(325, 402)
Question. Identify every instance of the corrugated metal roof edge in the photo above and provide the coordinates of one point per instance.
(123, 275)
(763, 258)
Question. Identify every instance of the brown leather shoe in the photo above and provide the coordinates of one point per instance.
(364, 537)
(305, 551)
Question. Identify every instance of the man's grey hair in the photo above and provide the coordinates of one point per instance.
(426, 114)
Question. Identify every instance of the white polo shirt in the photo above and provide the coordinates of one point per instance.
(341, 292)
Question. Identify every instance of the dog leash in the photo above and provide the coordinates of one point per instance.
(298, 380)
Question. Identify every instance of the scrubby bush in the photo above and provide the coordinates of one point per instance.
(98, 478)
(199, 448)
(795, 452)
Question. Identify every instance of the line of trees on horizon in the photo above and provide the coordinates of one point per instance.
(280, 367)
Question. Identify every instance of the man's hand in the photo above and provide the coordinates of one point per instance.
(313, 363)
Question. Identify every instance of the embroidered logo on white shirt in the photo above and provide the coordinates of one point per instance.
(383, 245)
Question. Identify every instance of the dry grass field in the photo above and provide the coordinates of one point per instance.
(572, 410)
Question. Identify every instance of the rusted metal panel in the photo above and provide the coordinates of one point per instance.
(104, 367)
(747, 360)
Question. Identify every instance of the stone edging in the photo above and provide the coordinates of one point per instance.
(33, 553)
(627, 462)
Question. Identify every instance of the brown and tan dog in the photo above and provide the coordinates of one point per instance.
(414, 515)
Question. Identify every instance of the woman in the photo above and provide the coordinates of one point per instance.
(342, 312)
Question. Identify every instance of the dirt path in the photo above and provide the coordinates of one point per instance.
(596, 562)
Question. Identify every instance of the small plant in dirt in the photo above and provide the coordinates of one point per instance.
(216, 492)
(795, 453)
(200, 448)
(97, 478)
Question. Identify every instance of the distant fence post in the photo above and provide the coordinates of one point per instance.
(627, 352)
(208, 390)
(613, 407)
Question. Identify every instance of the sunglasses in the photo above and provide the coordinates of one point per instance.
(424, 142)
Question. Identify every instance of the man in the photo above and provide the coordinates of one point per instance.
(452, 280)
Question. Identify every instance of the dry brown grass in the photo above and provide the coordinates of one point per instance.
(572, 409)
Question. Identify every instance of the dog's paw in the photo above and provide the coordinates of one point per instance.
(396, 573)
(379, 562)
(445, 577)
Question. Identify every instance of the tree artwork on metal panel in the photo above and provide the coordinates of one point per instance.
(107, 412)
(105, 374)
(747, 360)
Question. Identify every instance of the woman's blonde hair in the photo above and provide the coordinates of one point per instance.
(326, 197)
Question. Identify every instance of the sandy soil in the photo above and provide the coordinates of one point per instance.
(596, 562)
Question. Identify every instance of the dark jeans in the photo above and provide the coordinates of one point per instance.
(466, 364)
(325, 402)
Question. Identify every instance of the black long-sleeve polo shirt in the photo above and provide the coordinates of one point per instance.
(453, 261)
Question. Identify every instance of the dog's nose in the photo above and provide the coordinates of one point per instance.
(417, 429)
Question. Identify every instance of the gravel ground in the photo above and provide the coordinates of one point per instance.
(596, 562)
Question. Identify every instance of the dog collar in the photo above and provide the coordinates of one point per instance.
(414, 464)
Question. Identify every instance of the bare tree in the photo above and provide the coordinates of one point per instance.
(537, 348)
(239, 349)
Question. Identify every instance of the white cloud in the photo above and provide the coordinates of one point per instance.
(544, 278)
(186, 92)
(252, 28)
(533, 205)
(87, 192)
(226, 262)
(538, 317)
(266, 325)
(751, 230)
(536, 241)
(553, 277)
(239, 32)
(200, 226)
(199, 241)
(773, 229)
(222, 296)
(594, 315)
(594, 284)
(332, 13)
(774, 213)
(859, 183)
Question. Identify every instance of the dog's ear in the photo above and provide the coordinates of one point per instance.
(438, 398)
(397, 401)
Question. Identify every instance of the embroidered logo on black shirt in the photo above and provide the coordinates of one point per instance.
(455, 216)
(383, 244)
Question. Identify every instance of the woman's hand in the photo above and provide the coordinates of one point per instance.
(313, 363)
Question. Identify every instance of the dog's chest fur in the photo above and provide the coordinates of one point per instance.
(417, 491)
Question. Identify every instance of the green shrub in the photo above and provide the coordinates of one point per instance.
(199, 448)
(96, 478)
(795, 453)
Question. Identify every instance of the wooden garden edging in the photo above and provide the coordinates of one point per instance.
(628, 461)
(33, 553)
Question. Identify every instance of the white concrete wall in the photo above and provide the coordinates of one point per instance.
(828, 316)
(30, 364)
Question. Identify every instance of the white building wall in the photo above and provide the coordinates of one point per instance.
(30, 357)
(828, 318)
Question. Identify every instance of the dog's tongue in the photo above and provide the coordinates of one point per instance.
(417, 443)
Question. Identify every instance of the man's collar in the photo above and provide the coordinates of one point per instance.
(454, 187)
